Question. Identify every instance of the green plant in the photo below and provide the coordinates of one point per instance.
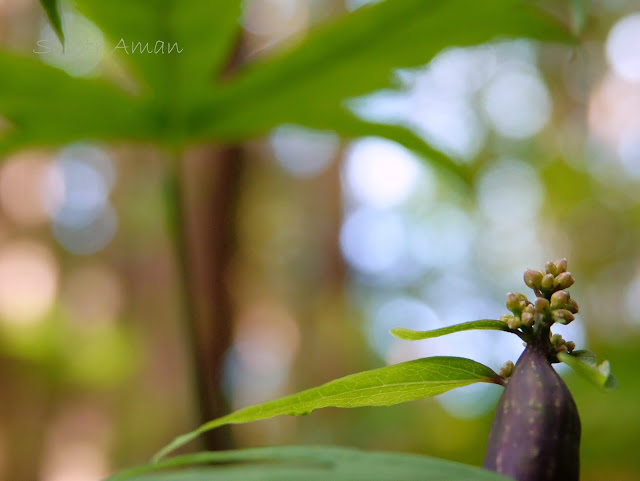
(182, 100)
(536, 431)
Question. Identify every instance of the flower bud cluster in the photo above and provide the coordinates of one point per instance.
(552, 303)
(524, 313)
(555, 278)
(560, 344)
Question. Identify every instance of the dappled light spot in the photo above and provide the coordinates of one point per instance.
(85, 239)
(79, 184)
(28, 282)
(22, 179)
(303, 152)
(632, 301)
(613, 109)
(373, 241)
(76, 196)
(380, 173)
(84, 47)
(443, 238)
(517, 103)
(622, 47)
(76, 445)
(273, 22)
(510, 192)
(266, 341)
(355, 4)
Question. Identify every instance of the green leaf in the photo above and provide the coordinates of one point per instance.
(410, 335)
(584, 363)
(204, 32)
(47, 106)
(357, 54)
(380, 387)
(303, 463)
(52, 9)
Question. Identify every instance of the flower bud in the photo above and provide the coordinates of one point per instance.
(551, 268)
(533, 278)
(559, 299)
(562, 316)
(507, 369)
(572, 306)
(513, 303)
(542, 305)
(528, 319)
(563, 281)
(570, 346)
(512, 321)
(557, 340)
(547, 281)
(517, 302)
(561, 266)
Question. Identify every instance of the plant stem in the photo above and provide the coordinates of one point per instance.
(177, 226)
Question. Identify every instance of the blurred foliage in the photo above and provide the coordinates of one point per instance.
(125, 383)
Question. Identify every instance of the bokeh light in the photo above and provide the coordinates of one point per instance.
(84, 47)
(302, 152)
(380, 173)
(373, 241)
(28, 281)
(22, 179)
(517, 103)
(622, 47)
(77, 197)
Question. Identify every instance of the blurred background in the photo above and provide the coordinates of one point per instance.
(305, 251)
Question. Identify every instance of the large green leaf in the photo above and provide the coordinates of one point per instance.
(585, 364)
(486, 324)
(204, 32)
(380, 387)
(302, 463)
(184, 99)
(52, 9)
(45, 104)
(355, 55)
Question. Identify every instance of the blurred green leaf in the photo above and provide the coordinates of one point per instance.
(355, 55)
(487, 324)
(52, 9)
(204, 32)
(183, 98)
(380, 387)
(45, 105)
(317, 463)
(585, 364)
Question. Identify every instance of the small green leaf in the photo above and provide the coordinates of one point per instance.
(52, 9)
(585, 364)
(317, 463)
(385, 386)
(410, 335)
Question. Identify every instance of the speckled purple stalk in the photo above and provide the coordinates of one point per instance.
(535, 435)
